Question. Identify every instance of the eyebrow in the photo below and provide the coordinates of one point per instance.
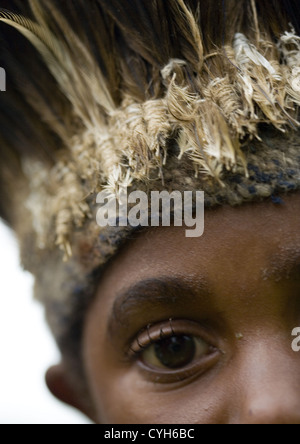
(165, 292)
(284, 265)
(155, 293)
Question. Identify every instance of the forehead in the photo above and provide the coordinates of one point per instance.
(243, 245)
(264, 227)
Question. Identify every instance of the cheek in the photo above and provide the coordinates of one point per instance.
(224, 396)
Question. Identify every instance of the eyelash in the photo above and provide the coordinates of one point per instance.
(152, 337)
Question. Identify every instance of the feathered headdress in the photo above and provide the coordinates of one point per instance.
(148, 95)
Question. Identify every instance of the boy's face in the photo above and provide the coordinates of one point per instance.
(199, 330)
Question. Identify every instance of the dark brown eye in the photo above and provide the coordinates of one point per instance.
(175, 352)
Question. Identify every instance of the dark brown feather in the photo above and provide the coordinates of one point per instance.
(131, 40)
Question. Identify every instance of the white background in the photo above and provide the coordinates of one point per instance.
(26, 348)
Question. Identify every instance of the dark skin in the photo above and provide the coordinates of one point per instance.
(188, 331)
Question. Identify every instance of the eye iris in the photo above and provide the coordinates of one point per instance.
(175, 352)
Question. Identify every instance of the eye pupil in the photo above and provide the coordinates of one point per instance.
(175, 352)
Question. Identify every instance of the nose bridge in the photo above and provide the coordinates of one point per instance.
(269, 384)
